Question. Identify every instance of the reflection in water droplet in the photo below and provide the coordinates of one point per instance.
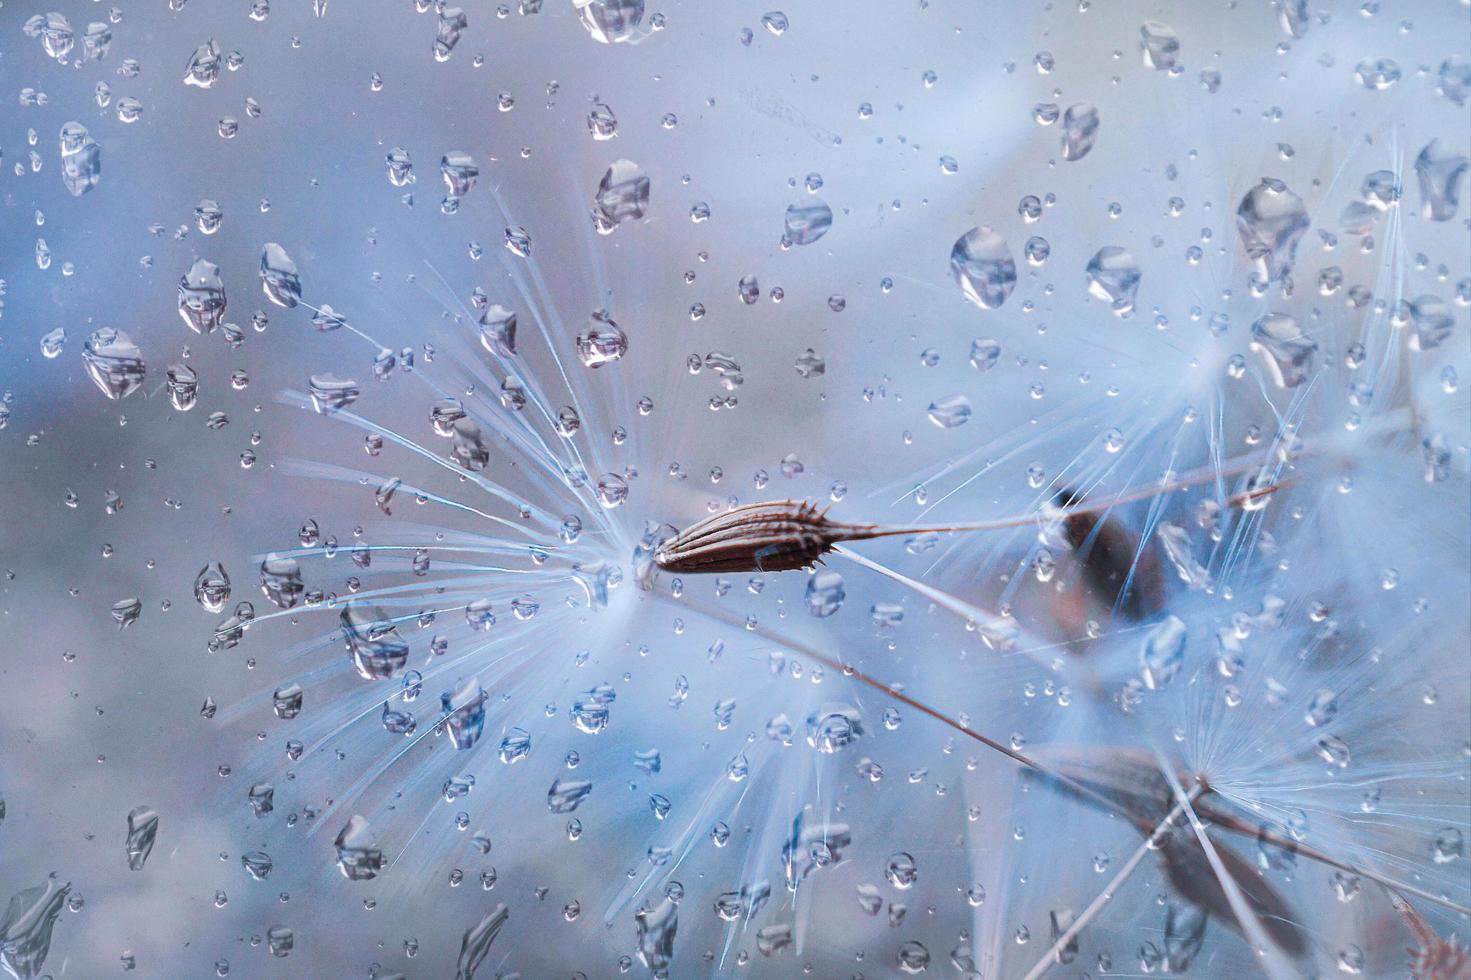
(603, 342)
(1271, 220)
(452, 24)
(807, 221)
(1439, 173)
(203, 69)
(1079, 130)
(497, 332)
(373, 642)
(81, 159)
(356, 858)
(1113, 276)
(950, 412)
(610, 21)
(623, 195)
(1286, 352)
(114, 362)
(330, 393)
(280, 581)
(25, 928)
(278, 276)
(212, 587)
(202, 297)
(1159, 45)
(825, 593)
(1163, 653)
(142, 830)
(981, 263)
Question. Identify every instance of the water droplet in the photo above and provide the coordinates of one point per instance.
(833, 726)
(81, 159)
(356, 858)
(330, 393)
(807, 221)
(623, 195)
(950, 412)
(202, 297)
(497, 333)
(1439, 173)
(1159, 45)
(1079, 130)
(1271, 220)
(603, 342)
(1286, 352)
(981, 263)
(278, 276)
(203, 69)
(212, 587)
(142, 830)
(1113, 276)
(825, 593)
(1163, 653)
(611, 21)
(450, 28)
(1377, 75)
(114, 362)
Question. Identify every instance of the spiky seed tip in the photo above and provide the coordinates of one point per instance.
(775, 536)
(1434, 957)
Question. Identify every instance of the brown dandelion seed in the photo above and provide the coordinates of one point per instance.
(775, 536)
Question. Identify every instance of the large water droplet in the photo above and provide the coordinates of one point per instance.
(452, 25)
(623, 195)
(203, 69)
(55, 32)
(114, 362)
(603, 342)
(1163, 653)
(357, 859)
(25, 929)
(1431, 322)
(202, 297)
(460, 173)
(610, 21)
(278, 276)
(825, 593)
(1286, 352)
(1439, 172)
(807, 221)
(142, 830)
(464, 709)
(1113, 276)
(81, 159)
(981, 263)
(372, 640)
(330, 393)
(1271, 220)
(1159, 45)
(950, 412)
(280, 580)
(212, 587)
(498, 331)
(1079, 130)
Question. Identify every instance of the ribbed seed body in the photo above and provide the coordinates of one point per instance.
(775, 536)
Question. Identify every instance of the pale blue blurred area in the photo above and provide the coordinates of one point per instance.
(85, 740)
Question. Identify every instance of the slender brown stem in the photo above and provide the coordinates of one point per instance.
(848, 670)
(1193, 478)
(1220, 818)
(1202, 800)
